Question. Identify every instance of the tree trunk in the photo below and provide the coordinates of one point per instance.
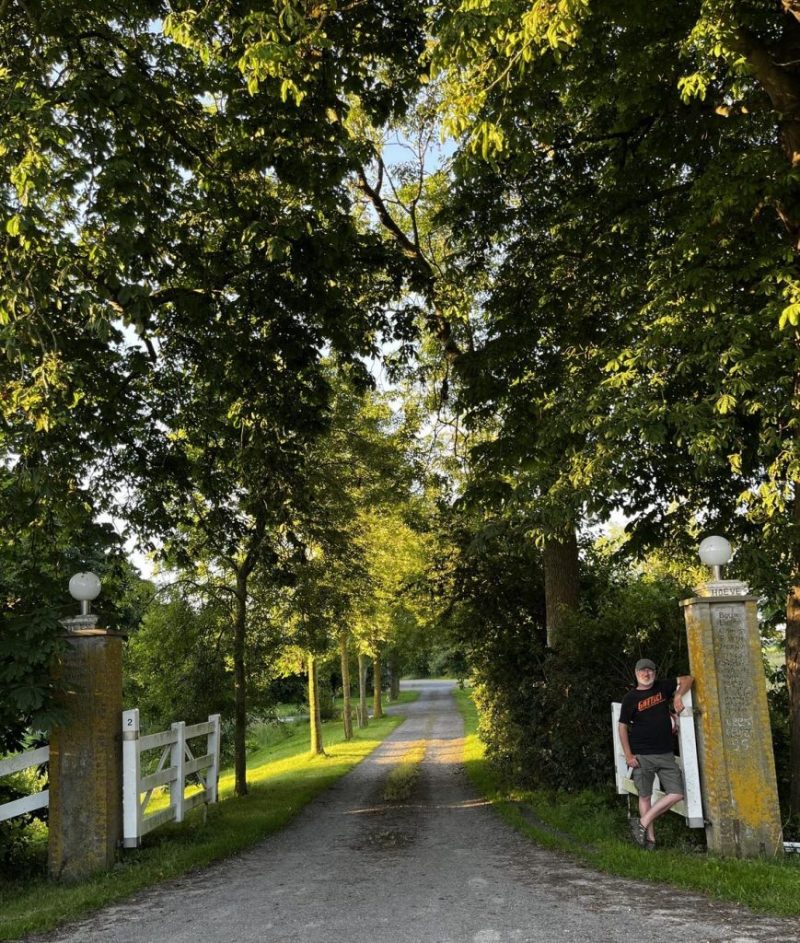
(775, 67)
(377, 708)
(363, 717)
(313, 707)
(240, 688)
(793, 659)
(560, 584)
(394, 677)
(347, 719)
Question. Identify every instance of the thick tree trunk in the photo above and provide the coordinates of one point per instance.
(363, 718)
(377, 707)
(793, 659)
(313, 708)
(560, 584)
(240, 688)
(394, 677)
(347, 718)
(775, 66)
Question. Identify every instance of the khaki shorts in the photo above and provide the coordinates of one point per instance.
(661, 764)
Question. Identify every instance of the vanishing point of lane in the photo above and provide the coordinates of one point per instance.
(439, 867)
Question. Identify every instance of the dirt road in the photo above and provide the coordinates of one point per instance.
(440, 868)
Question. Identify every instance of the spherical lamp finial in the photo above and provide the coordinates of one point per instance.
(715, 552)
(84, 587)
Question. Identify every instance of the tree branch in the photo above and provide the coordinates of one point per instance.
(791, 8)
(389, 223)
(439, 326)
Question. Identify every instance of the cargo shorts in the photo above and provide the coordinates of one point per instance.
(664, 766)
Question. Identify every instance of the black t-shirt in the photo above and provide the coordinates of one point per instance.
(647, 715)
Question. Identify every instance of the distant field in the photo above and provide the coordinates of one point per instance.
(774, 655)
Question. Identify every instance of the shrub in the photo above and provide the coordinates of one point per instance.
(18, 859)
(545, 715)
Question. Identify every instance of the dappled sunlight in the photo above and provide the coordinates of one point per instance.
(393, 752)
(301, 763)
(368, 810)
(447, 751)
(380, 809)
(466, 804)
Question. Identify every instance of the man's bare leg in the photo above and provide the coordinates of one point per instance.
(654, 810)
(645, 803)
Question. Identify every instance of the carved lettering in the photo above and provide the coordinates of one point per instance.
(734, 676)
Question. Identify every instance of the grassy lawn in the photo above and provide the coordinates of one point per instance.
(594, 829)
(283, 777)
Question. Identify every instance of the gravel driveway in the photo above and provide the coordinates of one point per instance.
(439, 868)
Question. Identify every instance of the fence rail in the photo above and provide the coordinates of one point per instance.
(137, 790)
(16, 764)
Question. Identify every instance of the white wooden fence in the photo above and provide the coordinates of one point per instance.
(16, 764)
(691, 806)
(137, 790)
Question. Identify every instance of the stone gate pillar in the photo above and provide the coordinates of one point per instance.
(737, 766)
(85, 818)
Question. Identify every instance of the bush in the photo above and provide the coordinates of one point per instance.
(545, 715)
(778, 698)
(18, 859)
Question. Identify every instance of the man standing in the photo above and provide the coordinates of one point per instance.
(645, 731)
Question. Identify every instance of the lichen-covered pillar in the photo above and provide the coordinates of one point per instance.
(737, 766)
(85, 819)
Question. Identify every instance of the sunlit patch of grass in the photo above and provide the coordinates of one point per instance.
(593, 827)
(400, 781)
(281, 779)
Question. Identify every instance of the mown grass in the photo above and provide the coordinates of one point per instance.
(282, 777)
(594, 829)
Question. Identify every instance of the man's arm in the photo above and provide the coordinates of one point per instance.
(630, 759)
(685, 682)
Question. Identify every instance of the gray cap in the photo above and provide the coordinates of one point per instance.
(645, 663)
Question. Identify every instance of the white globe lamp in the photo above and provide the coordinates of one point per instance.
(84, 587)
(715, 552)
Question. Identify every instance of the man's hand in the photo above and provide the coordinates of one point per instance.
(631, 760)
(677, 703)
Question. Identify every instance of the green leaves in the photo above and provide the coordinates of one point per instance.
(631, 208)
(790, 316)
(693, 86)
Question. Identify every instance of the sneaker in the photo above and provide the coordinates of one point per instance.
(638, 832)
(649, 845)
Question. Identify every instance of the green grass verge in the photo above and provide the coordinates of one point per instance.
(283, 777)
(594, 829)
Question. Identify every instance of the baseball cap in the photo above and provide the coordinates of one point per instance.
(645, 663)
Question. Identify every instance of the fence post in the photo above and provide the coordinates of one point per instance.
(177, 760)
(212, 748)
(131, 774)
